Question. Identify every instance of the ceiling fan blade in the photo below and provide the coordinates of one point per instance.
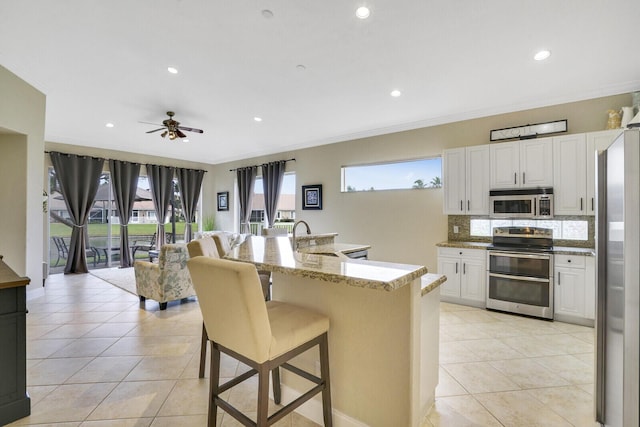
(155, 130)
(180, 134)
(149, 123)
(191, 129)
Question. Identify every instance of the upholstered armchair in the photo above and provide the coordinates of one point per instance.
(204, 246)
(168, 280)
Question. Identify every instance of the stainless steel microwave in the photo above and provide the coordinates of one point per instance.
(534, 203)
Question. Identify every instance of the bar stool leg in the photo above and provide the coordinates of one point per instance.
(263, 394)
(214, 384)
(203, 351)
(324, 373)
(275, 378)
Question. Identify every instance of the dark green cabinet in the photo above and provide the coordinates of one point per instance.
(14, 400)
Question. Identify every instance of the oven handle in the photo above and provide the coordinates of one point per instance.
(519, 255)
(511, 277)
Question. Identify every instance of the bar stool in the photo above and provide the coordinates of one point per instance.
(263, 335)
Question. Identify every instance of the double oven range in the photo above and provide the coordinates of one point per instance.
(520, 271)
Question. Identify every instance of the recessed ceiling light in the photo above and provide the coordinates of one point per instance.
(172, 70)
(396, 93)
(185, 140)
(109, 125)
(257, 119)
(542, 55)
(267, 14)
(363, 12)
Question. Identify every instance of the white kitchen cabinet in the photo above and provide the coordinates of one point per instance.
(521, 164)
(466, 180)
(574, 289)
(536, 162)
(570, 175)
(595, 141)
(574, 161)
(505, 164)
(466, 275)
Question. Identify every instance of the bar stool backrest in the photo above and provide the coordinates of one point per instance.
(232, 304)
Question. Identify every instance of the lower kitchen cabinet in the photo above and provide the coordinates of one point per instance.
(574, 289)
(466, 271)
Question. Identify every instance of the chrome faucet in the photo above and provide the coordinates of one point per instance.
(294, 244)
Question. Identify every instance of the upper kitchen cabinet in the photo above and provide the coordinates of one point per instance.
(466, 180)
(574, 171)
(570, 175)
(522, 164)
(596, 141)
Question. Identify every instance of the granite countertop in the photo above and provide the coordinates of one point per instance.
(315, 236)
(334, 249)
(431, 281)
(275, 254)
(463, 245)
(559, 250)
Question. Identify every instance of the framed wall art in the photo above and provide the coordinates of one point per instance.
(223, 201)
(312, 196)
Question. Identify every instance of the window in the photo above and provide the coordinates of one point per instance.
(286, 202)
(423, 173)
(566, 230)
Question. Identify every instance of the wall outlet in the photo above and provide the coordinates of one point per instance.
(456, 229)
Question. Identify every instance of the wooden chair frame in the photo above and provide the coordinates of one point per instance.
(322, 384)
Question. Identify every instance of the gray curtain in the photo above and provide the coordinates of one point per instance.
(160, 181)
(79, 179)
(189, 182)
(246, 181)
(272, 174)
(124, 181)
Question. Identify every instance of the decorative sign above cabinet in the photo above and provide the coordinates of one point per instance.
(528, 131)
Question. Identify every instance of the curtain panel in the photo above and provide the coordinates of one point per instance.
(79, 179)
(161, 183)
(190, 183)
(246, 180)
(124, 181)
(272, 174)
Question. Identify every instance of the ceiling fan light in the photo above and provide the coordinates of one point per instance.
(172, 135)
(163, 134)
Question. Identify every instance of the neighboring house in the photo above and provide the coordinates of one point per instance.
(143, 209)
(286, 208)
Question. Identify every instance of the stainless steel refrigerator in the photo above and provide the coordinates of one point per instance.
(618, 283)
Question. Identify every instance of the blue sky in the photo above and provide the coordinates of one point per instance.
(392, 175)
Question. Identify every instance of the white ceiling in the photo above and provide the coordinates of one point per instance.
(106, 61)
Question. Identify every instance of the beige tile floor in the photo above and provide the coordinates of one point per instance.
(95, 358)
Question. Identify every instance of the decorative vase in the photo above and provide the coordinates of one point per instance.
(614, 119)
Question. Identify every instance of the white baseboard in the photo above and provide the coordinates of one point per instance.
(312, 409)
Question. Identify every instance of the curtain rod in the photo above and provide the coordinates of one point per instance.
(263, 164)
(118, 160)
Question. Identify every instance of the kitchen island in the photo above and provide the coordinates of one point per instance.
(383, 339)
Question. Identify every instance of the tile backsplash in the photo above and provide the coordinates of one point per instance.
(463, 222)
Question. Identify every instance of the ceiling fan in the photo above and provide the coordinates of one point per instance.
(172, 128)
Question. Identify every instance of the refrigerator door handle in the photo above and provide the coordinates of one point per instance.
(601, 291)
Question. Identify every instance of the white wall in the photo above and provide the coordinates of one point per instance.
(22, 110)
(401, 226)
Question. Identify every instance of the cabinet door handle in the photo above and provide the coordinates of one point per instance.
(464, 268)
(515, 177)
(580, 203)
(456, 268)
(592, 207)
(524, 181)
(460, 205)
(558, 278)
(468, 205)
